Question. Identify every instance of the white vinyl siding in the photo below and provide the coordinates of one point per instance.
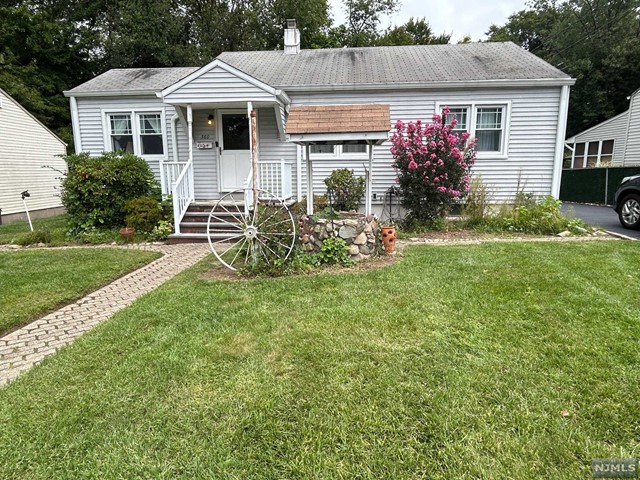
(530, 126)
(94, 125)
(632, 147)
(26, 148)
(530, 135)
(218, 85)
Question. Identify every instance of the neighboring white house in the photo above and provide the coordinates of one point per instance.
(614, 142)
(26, 145)
(192, 125)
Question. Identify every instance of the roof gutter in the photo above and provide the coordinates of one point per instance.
(539, 82)
(109, 93)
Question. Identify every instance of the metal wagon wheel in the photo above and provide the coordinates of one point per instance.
(240, 234)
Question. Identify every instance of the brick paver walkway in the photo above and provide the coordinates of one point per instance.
(26, 347)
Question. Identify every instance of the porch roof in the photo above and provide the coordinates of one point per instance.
(337, 124)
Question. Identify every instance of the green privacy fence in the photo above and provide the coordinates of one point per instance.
(593, 185)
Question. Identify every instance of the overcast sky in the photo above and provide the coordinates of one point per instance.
(460, 17)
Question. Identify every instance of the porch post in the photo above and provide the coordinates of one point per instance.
(309, 180)
(190, 128)
(254, 152)
(299, 172)
(367, 203)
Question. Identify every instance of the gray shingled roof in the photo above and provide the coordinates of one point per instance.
(394, 65)
(415, 64)
(131, 79)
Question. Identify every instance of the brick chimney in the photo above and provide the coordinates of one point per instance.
(291, 38)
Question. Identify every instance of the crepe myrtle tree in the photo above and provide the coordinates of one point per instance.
(433, 165)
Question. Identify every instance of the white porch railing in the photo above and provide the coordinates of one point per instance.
(276, 177)
(169, 173)
(183, 194)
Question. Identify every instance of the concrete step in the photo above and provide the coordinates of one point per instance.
(197, 238)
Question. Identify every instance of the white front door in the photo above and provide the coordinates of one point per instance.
(235, 149)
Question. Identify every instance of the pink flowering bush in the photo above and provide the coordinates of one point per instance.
(433, 165)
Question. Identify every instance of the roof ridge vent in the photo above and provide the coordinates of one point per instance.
(291, 38)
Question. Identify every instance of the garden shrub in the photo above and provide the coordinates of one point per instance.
(432, 164)
(346, 188)
(143, 214)
(299, 209)
(335, 251)
(95, 190)
(34, 237)
(161, 231)
(532, 216)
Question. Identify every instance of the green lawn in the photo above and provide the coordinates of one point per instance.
(34, 282)
(10, 231)
(453, 363)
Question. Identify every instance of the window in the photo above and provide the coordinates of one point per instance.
(487, 123)
(578, 162)
(606, 154)
(151, 134)
(489, 129)
(322, 149)
(139, 133)
(462, 115)
(352, 149)
(121, 133)
(593, 154)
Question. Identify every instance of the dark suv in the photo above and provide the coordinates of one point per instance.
(627, 202)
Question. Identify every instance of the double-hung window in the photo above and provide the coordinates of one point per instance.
(151, 134)
(489, 129)
(138, 133)
(487, 123)
(121, 133)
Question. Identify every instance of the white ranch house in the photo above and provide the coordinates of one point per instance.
(192, 125)
(26, 146)
(614, 142)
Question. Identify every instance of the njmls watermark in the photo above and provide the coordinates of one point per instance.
(614, 467)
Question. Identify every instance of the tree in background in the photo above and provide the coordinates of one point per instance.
(595, 41)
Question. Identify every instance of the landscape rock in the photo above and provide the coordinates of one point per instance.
(361, 239)
(347, 231)
(354, 250)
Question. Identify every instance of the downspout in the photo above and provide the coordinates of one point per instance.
(560, 134)
(174, 136)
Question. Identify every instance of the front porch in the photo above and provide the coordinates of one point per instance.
(228, 136)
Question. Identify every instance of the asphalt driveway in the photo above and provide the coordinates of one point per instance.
(601, 216)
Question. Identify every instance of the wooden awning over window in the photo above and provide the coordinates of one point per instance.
(336, 124)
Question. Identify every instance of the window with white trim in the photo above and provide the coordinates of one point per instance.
(140, 133)
(121, 133)
(461, 114)
(322, 149)
(489, 129)
(593, 154)
(151, 142)
(348, 149)
(487, 123)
